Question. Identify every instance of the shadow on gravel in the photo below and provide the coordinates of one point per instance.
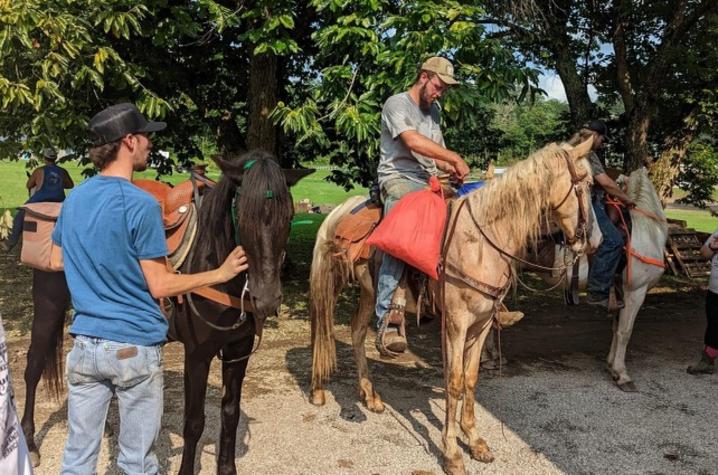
(555, 394)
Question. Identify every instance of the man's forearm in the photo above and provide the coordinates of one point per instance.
(176, 284)
(417, 143)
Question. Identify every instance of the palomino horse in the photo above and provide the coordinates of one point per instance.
(250, 205)
(643, 270)
(486, 230)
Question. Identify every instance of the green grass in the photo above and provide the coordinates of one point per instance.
(314, 187)
(700, 220)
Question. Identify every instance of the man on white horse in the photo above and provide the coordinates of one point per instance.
(608, 255)
(412, 149)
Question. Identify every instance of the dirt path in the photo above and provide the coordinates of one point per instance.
(561, 412)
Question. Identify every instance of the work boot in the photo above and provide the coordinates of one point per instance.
(391, 336)
(603, 301)
(706, 365)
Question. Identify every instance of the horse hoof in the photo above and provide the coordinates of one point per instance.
(481, 453)
(375, 404)
(318, 398)
(454, 466)
(35, 458)
(628, 387)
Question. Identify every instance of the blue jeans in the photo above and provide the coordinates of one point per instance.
(608, 255)
(97, 369)
(391, 268)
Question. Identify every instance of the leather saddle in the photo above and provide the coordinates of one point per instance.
(179, 214)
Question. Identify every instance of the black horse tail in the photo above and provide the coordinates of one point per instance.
(53, 371)
(51, 299)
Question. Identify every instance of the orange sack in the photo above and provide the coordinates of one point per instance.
(412, 230)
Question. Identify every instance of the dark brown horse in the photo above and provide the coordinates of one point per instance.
(51, 299)
(250, 205)
(256, 191)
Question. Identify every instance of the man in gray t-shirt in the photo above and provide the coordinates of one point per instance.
(412, 149)
(608, 255)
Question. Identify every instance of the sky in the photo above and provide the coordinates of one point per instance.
(551, 83)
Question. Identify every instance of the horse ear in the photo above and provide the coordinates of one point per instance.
(582, 149)
(294, 175)
(231, 168)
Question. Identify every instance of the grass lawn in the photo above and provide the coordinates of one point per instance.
(314, 187)
(700, 220)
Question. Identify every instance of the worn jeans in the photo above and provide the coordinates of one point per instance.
(391, 268)
(97, 369)
(608, 255)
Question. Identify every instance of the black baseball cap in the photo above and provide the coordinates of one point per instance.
(114, 122)
(599, 127)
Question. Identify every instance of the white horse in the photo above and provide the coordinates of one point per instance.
(644, 269)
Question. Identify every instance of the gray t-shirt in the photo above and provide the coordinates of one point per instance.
(597, 192)
(400, 114)
(713, 282)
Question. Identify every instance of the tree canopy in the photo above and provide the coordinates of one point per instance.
(307, 79)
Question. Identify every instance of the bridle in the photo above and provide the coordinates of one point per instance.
(578, 187)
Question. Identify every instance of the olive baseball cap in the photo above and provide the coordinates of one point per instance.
(114, 122)
(442, 67)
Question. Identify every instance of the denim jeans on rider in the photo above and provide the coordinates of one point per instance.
(391, 268)
(608, 255)
(97, 369)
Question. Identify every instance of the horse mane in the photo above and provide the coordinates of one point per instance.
(216, 227)
(642, 191)
(518, 198)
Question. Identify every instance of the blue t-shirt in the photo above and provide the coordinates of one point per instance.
(106, 226)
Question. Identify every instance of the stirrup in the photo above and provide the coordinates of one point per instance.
(394, 317)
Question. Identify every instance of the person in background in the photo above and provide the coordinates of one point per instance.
(706, 364)
(47, 183)
(607, 257)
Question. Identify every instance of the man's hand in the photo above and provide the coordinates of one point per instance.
(462, 169)
(630, 204)
(235, 263)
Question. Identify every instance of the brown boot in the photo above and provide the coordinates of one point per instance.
(706, 365)
(391, 337)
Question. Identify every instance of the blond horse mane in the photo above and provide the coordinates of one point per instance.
(514, 204)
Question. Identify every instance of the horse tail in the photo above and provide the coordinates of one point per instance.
(53, 371)
(327, 276)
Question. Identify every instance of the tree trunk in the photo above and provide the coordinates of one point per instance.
(262, 96)
(639, 122)
(576, 92)
(228, 137)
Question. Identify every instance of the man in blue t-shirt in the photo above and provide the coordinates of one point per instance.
(110, 240)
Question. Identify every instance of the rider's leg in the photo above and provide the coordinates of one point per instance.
(605, 262)
(391, 269)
